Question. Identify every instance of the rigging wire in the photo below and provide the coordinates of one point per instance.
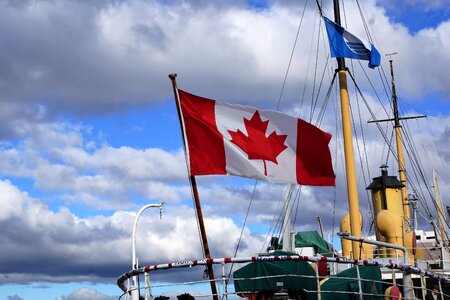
(337, 148)
(411, 151)
(364, 22)
(307, 69)
(292, 55)
(277, 108)
(282, 214)
(374, 118)
(360, 156)
(362, 134)
(385, 84)
(418, 164)
(391, 139)
(417, 169)
(374, 90)
(243, 227)
(321, 114)
(432, 158)
(276, 227)
(314, 101)
(358, 147)
(297, 202)
(284, 84)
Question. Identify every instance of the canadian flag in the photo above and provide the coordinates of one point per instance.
(225, 138)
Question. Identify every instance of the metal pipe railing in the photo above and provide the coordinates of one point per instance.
(407, 287)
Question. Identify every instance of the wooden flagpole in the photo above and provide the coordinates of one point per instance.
(193, 183)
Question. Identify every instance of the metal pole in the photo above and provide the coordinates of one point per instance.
(148, 287)
(134, 285)
(196, 197)
(287, 236)
(319, 297)
(398, 138)
(359, 282)
(422, 288)
(350, 170)
(319, 222)
(408, 292)
(440, 290)
(225, 287)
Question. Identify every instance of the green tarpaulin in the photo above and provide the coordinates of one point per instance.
(287, 276)
(312, 239)
(346, 281)
(306, 239)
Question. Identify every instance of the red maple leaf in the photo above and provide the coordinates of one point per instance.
(256, 144)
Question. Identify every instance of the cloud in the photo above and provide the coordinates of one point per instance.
(61, 157)
(40, 234)
(35, 236)
(86, 293)
(425, 5)
(14, 297)
(73, 59)
(98, 58)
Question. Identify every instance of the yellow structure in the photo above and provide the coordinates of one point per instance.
(388, 206)
(353, 204)
(347, 248)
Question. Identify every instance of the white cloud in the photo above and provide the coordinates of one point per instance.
(77, 59)
(114, 54)
(13, 201)
(86, 293)
(83, 242)
(59, 157)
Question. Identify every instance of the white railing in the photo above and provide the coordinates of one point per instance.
(224, 291)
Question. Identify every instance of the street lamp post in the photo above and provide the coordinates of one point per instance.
(134, 285)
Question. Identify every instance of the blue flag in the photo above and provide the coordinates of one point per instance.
(345, 44)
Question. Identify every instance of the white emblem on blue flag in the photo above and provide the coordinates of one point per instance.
(345, 44)
(356, 45)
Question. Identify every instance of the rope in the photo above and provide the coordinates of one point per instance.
(360, 156)
(360, 159)
(326, 100)
(418, 165)
(390, 143)
(314, 101)
(277, 108)
(297, 202)
(243, 226)
(276, 226)
(292, 54)
(336, 112)
(307, 70)
(366, 27)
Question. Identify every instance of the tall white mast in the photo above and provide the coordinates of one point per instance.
(287, 240)
(442, 235)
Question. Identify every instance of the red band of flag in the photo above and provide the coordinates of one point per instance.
(225, 138)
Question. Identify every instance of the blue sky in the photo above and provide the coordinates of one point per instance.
(90, 131)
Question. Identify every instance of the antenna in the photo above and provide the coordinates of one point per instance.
(391, 54)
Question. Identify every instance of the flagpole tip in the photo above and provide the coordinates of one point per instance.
(172, 75)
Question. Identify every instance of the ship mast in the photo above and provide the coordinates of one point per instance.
(442, 235)
(287, 234)
(355, 216)
(400, 156)
(408, 228)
